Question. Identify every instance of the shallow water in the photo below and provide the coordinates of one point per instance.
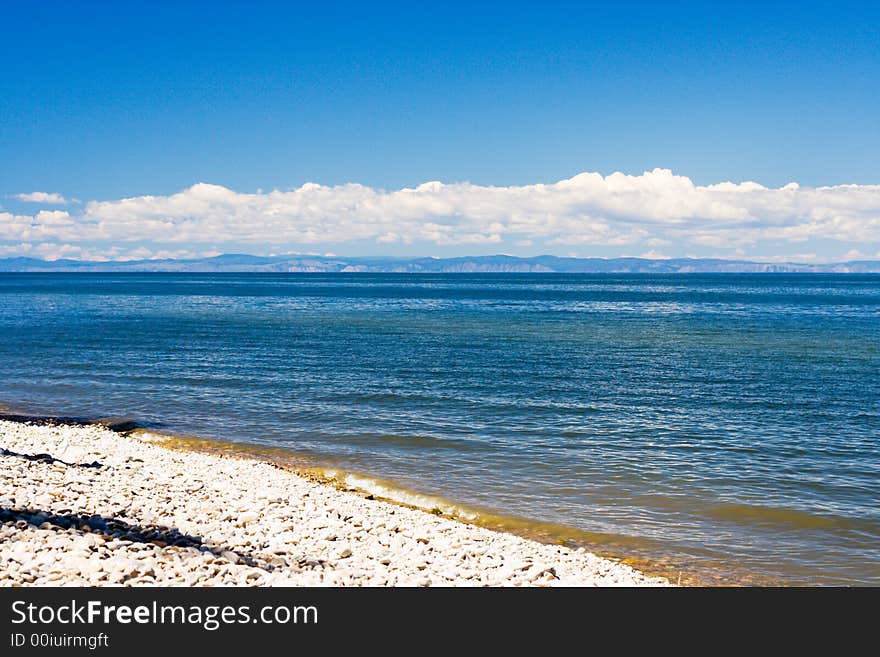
(724, 425)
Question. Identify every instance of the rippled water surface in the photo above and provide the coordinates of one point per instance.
(724, 425)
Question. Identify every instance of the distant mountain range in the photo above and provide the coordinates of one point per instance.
(467, 264)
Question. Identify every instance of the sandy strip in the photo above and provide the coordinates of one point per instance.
(100, 508)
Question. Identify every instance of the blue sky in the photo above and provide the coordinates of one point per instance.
(103, 102)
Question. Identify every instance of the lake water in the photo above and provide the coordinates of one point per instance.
(727, 426)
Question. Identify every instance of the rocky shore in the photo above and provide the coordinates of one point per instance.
(83, 505)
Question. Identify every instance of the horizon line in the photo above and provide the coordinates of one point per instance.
(767, 260)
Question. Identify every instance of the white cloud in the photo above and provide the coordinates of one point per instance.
(54, 251)
(50, 198)
(654, 255)
(656, 208)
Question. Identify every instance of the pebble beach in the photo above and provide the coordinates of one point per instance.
(83, 505)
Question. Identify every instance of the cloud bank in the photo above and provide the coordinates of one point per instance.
(618, 212)
(49, 198)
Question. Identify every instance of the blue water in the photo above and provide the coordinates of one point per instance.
(725, 425)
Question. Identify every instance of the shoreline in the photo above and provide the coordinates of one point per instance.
(87, 505)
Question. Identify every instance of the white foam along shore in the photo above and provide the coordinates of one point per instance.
(83, 505)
